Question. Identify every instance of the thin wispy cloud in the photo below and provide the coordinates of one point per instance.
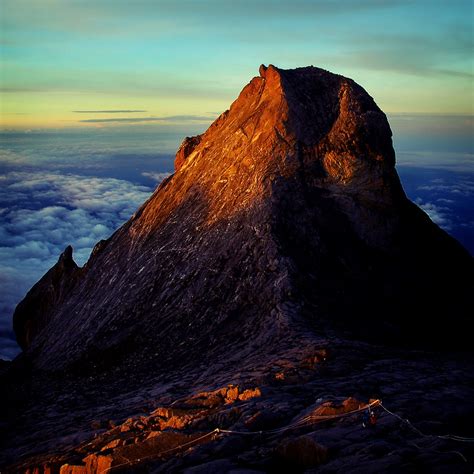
(172, 118)
(19, 90)
(107, 111)
(434, 116)
(449, 161)
(415, 53)
(158, 177)
(462, 187)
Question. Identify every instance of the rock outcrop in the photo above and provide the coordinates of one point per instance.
(286, 218)
(33, 313)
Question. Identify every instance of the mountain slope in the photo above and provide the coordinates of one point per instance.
(285, 219)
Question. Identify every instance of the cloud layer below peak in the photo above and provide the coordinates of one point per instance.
(43, 212)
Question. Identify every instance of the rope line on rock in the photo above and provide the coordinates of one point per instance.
(461, 439)
(166, 451)
(438, 451)
(423, 435)
(307, 420)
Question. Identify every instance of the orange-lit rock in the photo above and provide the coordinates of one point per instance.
(223, 395)
(186, 148)
(96, 463)
(112, 445)
(72, 469)
(250, 393)
(47, 468)
(333, 408)
(158, 445)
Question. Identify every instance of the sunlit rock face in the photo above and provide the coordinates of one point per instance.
(284, 221)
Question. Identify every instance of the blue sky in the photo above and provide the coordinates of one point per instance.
(96, 96)
(191, 57)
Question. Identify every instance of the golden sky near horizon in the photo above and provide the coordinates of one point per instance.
(144, 61)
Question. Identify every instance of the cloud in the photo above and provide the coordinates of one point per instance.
(151, 17)
(420, 115)
(417, 61)
(115, 149)
(438, 214)
(43, 212)
(19, 90)
(158, 177)
(464, 187)
(107, 111)
(171, 118)
(450, 161)
(411, 51)
(12, 157)
(116, 47)
(446, 201)
(446, 196)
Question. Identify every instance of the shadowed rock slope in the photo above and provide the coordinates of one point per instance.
(285, 218)
(33, 312)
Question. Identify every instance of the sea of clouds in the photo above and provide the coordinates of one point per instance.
(43, 212)
(57, 191)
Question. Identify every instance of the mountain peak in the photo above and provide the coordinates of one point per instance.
(285, 214)
(34, 312)
(66, 257)
(304, 122)
(305, 105)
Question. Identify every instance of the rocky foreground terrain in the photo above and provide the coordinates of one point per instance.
(249, 313)
(99, 424)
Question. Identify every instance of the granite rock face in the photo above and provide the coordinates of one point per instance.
(285, 217)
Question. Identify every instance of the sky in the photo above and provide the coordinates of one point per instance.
(96, 97)
(65, 63)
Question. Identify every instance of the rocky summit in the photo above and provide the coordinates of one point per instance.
(279, 282)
